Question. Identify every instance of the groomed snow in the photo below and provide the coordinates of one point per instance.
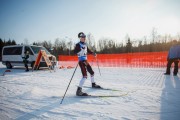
(146, 94)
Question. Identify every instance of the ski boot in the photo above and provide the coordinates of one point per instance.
(80, 93)
(95, 86)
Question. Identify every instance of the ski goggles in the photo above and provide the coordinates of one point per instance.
(83, 37)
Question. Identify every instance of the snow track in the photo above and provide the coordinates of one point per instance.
(37, 95)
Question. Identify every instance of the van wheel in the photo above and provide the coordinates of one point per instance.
(8, 65)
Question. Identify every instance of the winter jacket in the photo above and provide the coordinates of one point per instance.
(25, 58)
(178, 48)
(81, 50)
(174, 52)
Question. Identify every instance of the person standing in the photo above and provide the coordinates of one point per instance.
(81, 49)
(173, 58)
(25, 60)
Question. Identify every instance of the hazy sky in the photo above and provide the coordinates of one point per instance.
(38, 20)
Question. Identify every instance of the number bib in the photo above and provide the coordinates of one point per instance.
(82, 55)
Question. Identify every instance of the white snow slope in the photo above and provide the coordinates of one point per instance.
(145, 94)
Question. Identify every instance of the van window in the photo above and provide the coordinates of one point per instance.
(12, 51)
(37, 49)
(28, 49)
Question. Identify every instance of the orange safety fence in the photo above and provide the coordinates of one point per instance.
(141, 59)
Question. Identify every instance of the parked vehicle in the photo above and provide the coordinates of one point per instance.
(12, 55)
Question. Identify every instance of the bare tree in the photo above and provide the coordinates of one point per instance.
(178, 37)
(91, 42)
(69, 44)
(26, 41)
(154, 34)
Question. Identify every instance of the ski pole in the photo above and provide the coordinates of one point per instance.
(98, 65)
(69, 84)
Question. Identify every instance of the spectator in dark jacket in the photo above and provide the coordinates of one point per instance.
(25, 60)
(178, 48)
(173, 56)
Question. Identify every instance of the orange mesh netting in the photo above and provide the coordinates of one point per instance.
(142, 59)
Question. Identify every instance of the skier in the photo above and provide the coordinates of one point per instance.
(25, 60)
(173, 58)
(81, 50)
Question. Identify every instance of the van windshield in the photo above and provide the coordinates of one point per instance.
(36, 49)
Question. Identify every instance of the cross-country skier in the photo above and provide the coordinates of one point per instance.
(81, 49)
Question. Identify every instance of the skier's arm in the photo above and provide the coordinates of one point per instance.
(170, 53)
(27, 56)
(89, 51)
(77, 49)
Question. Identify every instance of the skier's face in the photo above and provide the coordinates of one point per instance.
(82, 39)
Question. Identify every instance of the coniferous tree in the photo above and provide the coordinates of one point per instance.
(13, 42)
(129, 46)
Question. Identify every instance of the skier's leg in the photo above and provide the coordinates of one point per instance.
(83, 69)
(81, 83)
(92, 79)
(89, 69)
(79, 89)
(84, 73)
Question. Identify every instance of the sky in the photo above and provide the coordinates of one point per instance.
(39, 20)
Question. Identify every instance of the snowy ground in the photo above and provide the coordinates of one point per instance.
(146, 94)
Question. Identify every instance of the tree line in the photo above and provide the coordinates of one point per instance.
(5, 43)
(107, 46)
(64, 46)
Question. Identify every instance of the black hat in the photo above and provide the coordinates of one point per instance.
(81, 34)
